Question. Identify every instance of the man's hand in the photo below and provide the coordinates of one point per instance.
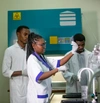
(75, 78)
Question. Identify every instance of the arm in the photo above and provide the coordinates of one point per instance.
(68, 75)
(36, 70)
(20, 73)
(62, 62)
(66, 58)
(48, 74)
(55, 63)
(6, 66)
(16, 73)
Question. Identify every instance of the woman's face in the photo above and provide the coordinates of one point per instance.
(39, 46)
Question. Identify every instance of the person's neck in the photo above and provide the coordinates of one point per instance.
(79, 52)
(22, 45)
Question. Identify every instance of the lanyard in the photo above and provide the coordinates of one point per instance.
(43, 60)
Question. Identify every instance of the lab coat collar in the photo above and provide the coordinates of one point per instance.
(18, 46)
(87, 54)
(42, 59)
(82, 52)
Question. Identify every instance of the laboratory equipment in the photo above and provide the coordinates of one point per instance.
(94, 60)
(93, 69)
(85, 88)
(94, 64)
(97, 97)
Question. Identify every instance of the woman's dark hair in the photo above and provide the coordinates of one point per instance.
(79, 37)
(32, 38)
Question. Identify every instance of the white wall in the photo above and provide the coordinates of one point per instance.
(90, 20)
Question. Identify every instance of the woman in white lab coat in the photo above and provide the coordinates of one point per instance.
(40, 69)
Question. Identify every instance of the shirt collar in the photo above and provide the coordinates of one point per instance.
(18, 46)
(82, 52)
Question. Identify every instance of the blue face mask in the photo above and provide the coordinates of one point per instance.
(42, 59)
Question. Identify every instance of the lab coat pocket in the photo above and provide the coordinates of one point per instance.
(23, 86)
(23, 90)
(42, 93)
(19, 86)
(42, 98)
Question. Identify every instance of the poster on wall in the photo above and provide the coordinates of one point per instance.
(57, 26)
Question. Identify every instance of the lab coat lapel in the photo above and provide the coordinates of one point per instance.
(75, 61)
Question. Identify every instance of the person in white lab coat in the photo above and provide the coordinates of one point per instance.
(78, 61)
(14, 66)
(40, 69)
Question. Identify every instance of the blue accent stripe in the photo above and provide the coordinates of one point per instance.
(42, 96)
(58, 63)
(38, 76)
(42, 59)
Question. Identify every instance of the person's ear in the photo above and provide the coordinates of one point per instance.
(33, 45)
(18, 34)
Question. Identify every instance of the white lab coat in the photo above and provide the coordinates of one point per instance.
(73, 68)
(15, 60)
(38, 88)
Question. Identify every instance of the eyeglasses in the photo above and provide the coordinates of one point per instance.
(43, 45)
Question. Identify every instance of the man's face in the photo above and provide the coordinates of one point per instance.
(81, 45)
(23, 35)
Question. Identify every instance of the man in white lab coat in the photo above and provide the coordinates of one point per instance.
(14, 66)
(78, 61)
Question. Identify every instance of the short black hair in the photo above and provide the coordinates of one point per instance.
(79, 37)
(21, 27)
